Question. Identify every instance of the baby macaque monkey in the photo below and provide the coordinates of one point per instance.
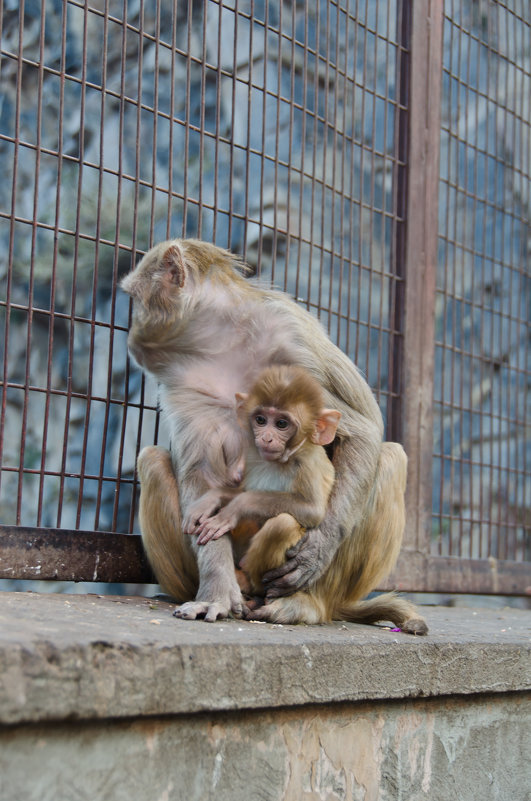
(287, 477)
(286, 486)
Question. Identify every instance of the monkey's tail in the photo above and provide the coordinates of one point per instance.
(386, 607)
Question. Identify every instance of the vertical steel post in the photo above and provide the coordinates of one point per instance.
(415, 260)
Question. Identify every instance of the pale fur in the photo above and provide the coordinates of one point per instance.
(205, 333)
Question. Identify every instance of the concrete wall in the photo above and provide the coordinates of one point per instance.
(219, 715)
(420, 750)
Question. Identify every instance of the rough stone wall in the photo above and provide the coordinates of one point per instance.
(113, 698)
(422, 750)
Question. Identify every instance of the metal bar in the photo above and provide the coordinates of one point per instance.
(79, 202)
(400, 198)
(58, 209)
(67, 555)
(414, 424)
(417, 572)
(248, 130)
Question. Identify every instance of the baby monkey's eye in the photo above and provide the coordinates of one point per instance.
(282, 424)
(260, 420)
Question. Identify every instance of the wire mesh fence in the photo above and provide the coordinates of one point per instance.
(277, 129)
(271, 134)
(482, 454)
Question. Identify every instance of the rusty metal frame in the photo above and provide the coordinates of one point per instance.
(416, 261)
(65, 555)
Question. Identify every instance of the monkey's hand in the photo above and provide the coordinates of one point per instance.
(305, 563)
(201, 510)
(215, 527)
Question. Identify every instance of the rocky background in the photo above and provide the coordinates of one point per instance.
(281, 156)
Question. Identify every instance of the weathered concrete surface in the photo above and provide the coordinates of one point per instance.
(467, 749)
(96, 657)
(113, 699)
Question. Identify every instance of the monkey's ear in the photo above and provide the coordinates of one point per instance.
(326, 427)
(173, 266)
(241, 400)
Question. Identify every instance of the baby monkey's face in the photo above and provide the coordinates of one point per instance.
(272, 429)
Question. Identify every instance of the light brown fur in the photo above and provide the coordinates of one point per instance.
(205, 333)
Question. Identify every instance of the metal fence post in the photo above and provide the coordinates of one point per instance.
(410, 419)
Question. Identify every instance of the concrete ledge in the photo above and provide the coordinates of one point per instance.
(66, 657)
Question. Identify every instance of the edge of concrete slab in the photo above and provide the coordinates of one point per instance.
(65, 657)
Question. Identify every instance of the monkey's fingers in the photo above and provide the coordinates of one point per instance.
(292, 552)
(204, 519)
(212, 534)
(214, 527)
(291, 564)
(198, 515)
(203, 527)
(192, 521)
(189, 525)
(285, 580)
(204, 537)
(191, 610)
(228, 604)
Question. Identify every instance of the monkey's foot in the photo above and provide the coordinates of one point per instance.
(298, 608)
(415, 625)
(207, 610)
(253, 610)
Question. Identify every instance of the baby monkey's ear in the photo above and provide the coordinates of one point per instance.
(326, 427)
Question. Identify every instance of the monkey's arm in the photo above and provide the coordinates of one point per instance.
(260, 506)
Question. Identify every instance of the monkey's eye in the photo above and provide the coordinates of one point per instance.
(260, 420)
(282, 424)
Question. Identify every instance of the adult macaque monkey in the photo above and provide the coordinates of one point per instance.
(206, 333)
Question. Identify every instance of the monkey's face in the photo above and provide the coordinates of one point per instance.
(273, 429)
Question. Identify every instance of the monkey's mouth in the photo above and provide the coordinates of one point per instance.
(270, 455)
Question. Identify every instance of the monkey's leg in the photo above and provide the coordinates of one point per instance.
(369, 554)
(219, 594)
(268, 547)
(267, 551)
(167, 548)
(183, 568)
